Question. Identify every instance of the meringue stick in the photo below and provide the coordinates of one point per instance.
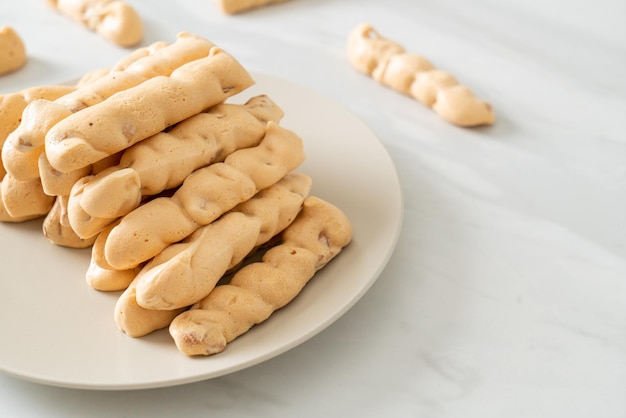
(189, 271)
(192, 268)
(100, 275)
(162, 58)
(388, 63)
(24, 199)
(125, 62)
(56, 183)
(256, 291)
(130, 317)
(13, 104)
(57, 229)
(204, 196)
(122, 64)
(25, 144)
(137, 321)
(91, 76)
(56, 226)
(113, 20)
(137, 113)
(238, 6)
(6, 217)
(14, 197)
(109, 280)
(164, 160)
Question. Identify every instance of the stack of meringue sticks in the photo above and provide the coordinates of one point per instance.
(173, 189)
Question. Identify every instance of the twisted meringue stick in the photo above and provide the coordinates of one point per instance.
(25, 145)
(100, 275)
(186, 272)
(389, 64)
(164, 160)
(114, 20)
(23, 200)
(11, 107)
(26, 163)
(55, 183)
(58, 230)
(204, 196)
(56, 225)
(256, 291)
(22, 168)
(135, 114)
(29, 199)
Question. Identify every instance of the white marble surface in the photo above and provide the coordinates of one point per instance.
(507, 291)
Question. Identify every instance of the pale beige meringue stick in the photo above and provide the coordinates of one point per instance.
(239, 6)
(27, 199)
(56, 226)
(57, 229)
(12, 106)
(12, 50)
(22, 190)
(256, 291)
(22, 200)
(56, 183)
(125, 62)
(166, 159)
(137, 113)
(25, 144)
(184, 273)
(114, 20)
(137, 321)
(205, 195)
(91, 76)
(389, 64)
(7, 217)
(121, 64)
(100, 275)
(187, 273)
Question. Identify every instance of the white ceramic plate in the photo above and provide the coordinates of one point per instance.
(57, 330)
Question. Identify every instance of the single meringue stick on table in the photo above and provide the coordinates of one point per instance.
(388, 63)
(114, 20)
